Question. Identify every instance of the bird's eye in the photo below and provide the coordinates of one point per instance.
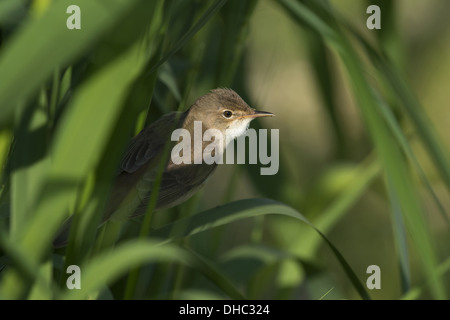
(227, 114)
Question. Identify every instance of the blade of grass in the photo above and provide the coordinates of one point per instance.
(204, 19)
(415, 292)
(324, 75)
(20, 264)
(28, 69)
(403, 142)
(146, 225)
(242, 209)
(29, 165)
(9, 8)
(138, 97)
(400, 240)
(358, 180)
(245, 264)
(108, 266)
(232, 41)
(395, 83)
(390, 157)
(75, 152)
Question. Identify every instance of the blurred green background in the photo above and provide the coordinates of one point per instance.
(363, 148)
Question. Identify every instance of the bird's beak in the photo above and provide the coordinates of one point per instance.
(258, 114)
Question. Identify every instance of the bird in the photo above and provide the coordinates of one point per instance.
(221, 109)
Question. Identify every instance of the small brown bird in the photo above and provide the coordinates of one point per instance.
(221, 109)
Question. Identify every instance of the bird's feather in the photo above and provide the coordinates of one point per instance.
(138, 170)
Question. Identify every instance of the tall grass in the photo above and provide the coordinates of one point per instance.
(71, 99)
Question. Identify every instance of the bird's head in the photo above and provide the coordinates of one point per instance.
(224, 110)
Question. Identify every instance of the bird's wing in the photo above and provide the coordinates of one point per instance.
(141, 158)
(148, 143)
(179, 183)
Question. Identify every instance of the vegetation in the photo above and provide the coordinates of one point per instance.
(364, 170)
